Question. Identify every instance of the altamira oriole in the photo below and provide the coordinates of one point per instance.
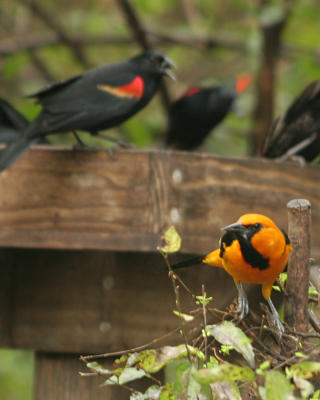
(252, 250)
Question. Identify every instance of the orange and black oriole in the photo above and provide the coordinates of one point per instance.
(252, 250)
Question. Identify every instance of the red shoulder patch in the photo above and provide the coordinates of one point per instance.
(130, 90)
(191, 91)
(134, 88)
(242, 82)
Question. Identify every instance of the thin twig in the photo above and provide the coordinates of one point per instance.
(205, 323)
(134, 349)
(59, 30)
(178, 304)
(141, 37)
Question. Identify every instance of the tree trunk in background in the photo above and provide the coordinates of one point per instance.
(263, 112)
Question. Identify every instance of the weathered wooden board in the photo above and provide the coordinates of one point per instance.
(89, 200)
(95, 301)
(57, 377)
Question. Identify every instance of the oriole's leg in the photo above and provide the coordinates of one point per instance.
(243, 305)
(275, 317)
(266, 292)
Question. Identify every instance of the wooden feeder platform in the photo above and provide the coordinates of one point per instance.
(80, 272)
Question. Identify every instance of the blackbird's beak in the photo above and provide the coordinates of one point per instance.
(166, 67)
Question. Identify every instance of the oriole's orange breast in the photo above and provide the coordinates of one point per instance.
(234, 263)
(269, 243)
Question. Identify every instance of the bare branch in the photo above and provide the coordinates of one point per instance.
(52, 23)
(141, 37)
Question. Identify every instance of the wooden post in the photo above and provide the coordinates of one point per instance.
(296, 304)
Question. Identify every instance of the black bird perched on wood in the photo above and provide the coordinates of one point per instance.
(100, 98)
(297, 131)
(198, 111)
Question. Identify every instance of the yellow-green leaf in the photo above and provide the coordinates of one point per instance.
(172, 241)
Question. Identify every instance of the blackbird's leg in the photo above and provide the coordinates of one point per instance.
(80, 143)
(119, 142)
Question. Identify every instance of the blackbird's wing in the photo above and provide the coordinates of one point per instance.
(278, 139)
(98, 99)
(303, 102)
(53, 88)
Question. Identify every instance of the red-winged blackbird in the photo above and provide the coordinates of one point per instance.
(296, 132)
(101, 98)
(198, 111)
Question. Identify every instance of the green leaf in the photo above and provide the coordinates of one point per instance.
(155, 392)
(190, 388)
(225, 349)
(263, 367)
(306, 388)
(213, 362)
(305, 369)
(300, 355)
(223, 372)
(131, 374)
(316, 395)
(172, 240)
(203, 299)
(96, 367)
(185, 317)
(312, 291)
(226, 390)
(228, 334)
(277, 387)
(152, 361)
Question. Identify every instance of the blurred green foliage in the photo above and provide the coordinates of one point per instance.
(16, 374)
(231, 20)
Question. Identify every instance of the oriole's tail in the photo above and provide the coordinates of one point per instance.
(213, 258)
(189, 263)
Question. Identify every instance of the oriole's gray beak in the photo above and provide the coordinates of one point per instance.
(236, 227)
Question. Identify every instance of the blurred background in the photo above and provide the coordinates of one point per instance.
(274, 41)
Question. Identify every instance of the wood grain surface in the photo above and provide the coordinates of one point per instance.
(64, 199)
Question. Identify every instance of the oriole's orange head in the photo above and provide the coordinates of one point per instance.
(251, 219)
(264, 235)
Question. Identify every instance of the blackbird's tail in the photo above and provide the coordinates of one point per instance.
(12, 123)
(13, 151)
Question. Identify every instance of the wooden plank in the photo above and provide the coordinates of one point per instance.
(6, 296)
(57, 377)
(97, 302)
(90, 200)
